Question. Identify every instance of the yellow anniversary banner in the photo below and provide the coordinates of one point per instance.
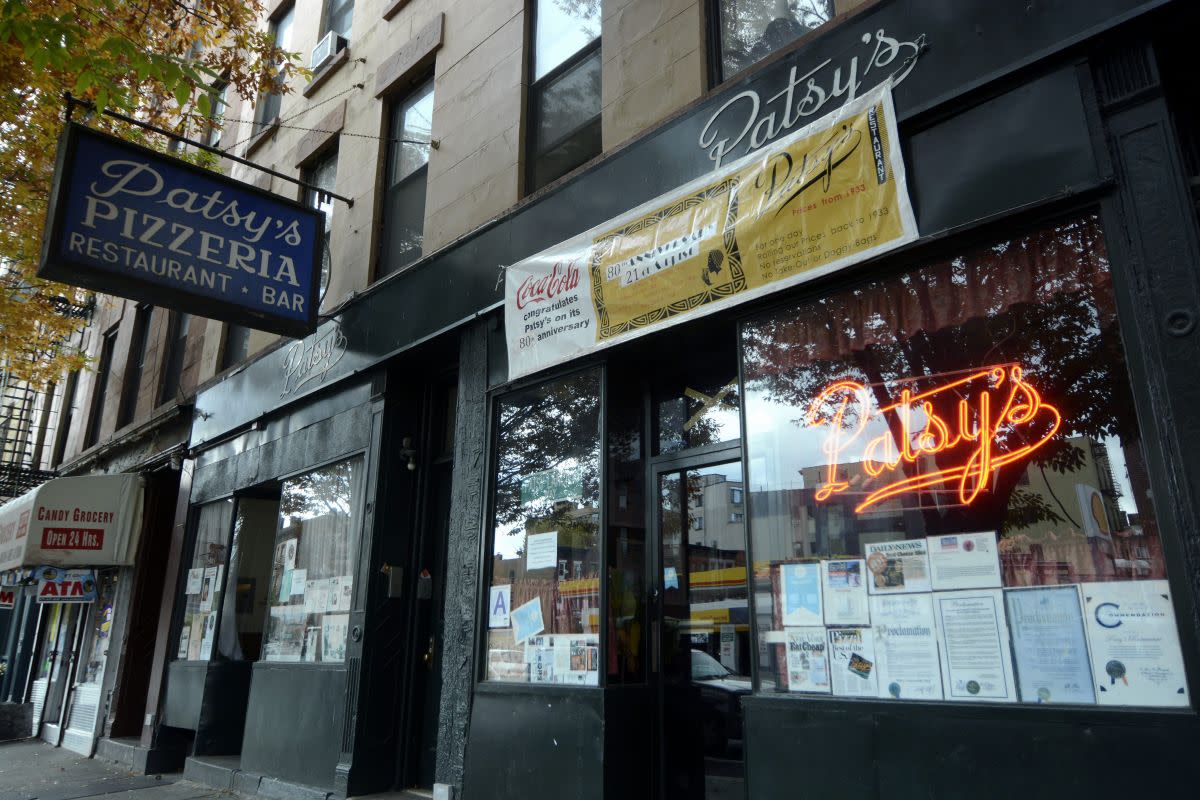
(817, 200)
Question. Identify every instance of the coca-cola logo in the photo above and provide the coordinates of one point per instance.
(562, 278)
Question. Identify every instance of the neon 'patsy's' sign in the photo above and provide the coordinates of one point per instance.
(991, 416)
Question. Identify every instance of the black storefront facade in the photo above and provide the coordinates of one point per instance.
(310, 576)
(1029, 136)
(1046, 152)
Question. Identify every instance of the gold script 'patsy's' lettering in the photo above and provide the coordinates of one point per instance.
(991, 401)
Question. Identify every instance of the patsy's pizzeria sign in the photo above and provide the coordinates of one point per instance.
(815, 201)
(136, 223)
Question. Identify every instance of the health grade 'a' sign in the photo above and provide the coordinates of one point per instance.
(135, 223)
(827, 196)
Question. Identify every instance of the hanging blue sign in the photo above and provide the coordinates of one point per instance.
(128, 221)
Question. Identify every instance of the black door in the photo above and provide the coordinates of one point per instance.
(432, 458)
(700, 633)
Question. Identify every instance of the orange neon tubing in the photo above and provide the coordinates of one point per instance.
(1022, 404)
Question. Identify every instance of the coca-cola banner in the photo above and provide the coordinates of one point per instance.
(829, 195)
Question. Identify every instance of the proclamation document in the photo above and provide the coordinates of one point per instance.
(906, 648)
(973, 636)
(1049, 645)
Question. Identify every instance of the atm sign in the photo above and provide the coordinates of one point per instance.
(73, 539)
(66, 586)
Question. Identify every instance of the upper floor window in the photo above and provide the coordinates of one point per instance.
(751, 30)
(321, 176)
(237, 345)
(564, 95)
(100, 388)
(339, 14)
(135, 367)
(66, 419)
(408, 160)
(270, 102)
(176, 350)
(214, 126)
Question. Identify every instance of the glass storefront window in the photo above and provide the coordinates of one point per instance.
(544, 598)
(948, 489)
(312, 575)
(204, 581)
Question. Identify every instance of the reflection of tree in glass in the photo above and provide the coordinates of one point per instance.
(1042, 301)
(403, 245)
(320, 493)
(568, 101)
(556, 427)
(711, 420)
(755, 29)
(585, 12)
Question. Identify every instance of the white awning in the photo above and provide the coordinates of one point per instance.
(85, 521)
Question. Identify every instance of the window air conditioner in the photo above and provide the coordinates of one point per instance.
(330, 45)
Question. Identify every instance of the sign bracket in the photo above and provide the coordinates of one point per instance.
(75, 101)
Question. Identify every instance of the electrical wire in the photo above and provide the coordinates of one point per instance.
(321, 130)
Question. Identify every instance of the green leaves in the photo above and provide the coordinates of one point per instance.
(182, 92)
(40, 58)
(84, 82)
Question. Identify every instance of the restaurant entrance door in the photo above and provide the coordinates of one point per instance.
(700, 643)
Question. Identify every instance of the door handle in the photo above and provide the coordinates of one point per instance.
(655, 645)
(428, 657)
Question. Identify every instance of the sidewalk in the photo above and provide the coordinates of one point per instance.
(32, 770)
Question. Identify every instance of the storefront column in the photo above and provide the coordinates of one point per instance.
(462, 563)
(1159, 250)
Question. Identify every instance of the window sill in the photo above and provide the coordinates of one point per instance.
(341, 58)
(262, 137)
(513, 687)
(393, 8)
(328, 666)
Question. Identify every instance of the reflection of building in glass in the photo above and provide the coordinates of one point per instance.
(715, 581)
(570, 590)
(1056, 525)
(716, 515)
